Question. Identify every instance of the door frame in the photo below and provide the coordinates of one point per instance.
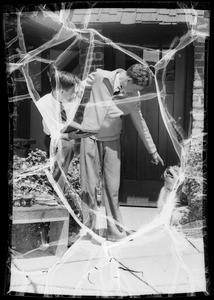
(113, 61)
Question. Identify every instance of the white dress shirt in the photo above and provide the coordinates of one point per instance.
(49, 108)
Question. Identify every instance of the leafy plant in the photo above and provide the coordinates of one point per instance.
(28, 178)
(73, 189)
(73, 175)
(194, 185)
(28, 175)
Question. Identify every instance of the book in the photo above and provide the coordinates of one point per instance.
(73, 126)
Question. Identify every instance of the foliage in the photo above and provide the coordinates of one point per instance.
(73, 175)
(196, 209)
(194, 184)
(73, 189)
(75, 203)
(29, 178)
(28, 175)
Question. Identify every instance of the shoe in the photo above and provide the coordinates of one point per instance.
(131, 232)
(115, 239)
(94, 241)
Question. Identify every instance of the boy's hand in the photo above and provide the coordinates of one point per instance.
(156, 159)
(78, 135)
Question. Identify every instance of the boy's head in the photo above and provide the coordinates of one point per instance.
(138, 77)
(140, 74)
(63, 80)
(64, 84)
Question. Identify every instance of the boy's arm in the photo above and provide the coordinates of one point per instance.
(143, 131)
(89, 79)
(50, 118)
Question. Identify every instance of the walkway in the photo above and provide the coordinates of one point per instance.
(157, 262)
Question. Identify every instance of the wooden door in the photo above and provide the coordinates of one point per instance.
(140, 179)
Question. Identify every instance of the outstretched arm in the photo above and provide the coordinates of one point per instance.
(156, 159)
(144, 133)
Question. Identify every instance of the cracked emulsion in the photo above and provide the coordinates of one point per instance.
(111, 255)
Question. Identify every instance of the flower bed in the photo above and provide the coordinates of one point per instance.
(28, 180)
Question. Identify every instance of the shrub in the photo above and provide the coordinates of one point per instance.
(28, 178)
(194, 184)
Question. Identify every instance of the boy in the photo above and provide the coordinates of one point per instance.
(102, 151)
(58, 108)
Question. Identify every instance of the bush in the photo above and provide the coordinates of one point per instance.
(73, 175)
(28, 175)
(29, 178)
(194, 184)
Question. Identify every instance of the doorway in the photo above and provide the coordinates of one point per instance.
(140, 179)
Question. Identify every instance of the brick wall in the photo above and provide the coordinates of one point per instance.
(197, 159)
(198, 87)
(97, 57)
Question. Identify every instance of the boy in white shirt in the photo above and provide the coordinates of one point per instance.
(58, 108)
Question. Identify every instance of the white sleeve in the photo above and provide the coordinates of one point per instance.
(142, 129)
(89, 79)
(50, 118)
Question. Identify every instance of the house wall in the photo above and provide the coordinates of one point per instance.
(36, 129)
(98, 62)
(197, 154)
(198, 87)
(97, 57)
(198, 83)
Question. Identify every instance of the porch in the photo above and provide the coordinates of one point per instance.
(147, 265)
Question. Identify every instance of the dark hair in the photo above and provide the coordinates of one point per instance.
(140, 74)
(62, 79)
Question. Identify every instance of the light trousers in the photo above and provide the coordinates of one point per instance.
(63, 159)
(101, 161)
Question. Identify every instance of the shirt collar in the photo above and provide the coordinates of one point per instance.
(117, 82)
